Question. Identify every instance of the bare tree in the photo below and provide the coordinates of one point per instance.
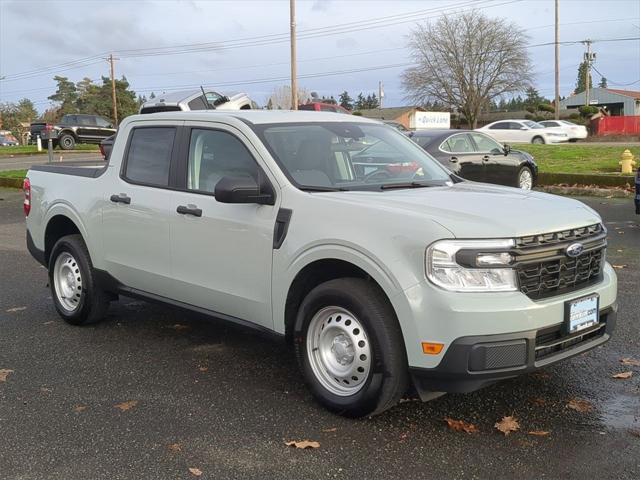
(280, 99)
(465, 61)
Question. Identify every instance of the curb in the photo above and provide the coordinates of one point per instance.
(11, 182)
(601, 180)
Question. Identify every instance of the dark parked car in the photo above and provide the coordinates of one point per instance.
(475, 156)
(75, 128)
(8, 141)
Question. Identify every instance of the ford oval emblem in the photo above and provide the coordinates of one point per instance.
(574, 250)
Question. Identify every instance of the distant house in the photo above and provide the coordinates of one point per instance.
(403, 115)
(616, 102)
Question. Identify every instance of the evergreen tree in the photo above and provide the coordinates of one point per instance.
(581, 84)
(66, 94)
(603, 83)
(360, 102)
(345, 100)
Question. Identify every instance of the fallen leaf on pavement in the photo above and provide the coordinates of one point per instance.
(579, 405)
(540, 402)
(460, 425)
(619, 267)
(630, 361)
(619, 250)
(622, 375)
(4, 373)
(195, 471)
(178, 327)
(327, 430)
(16, 309)
(46, 390)
(303, 444)
(124, 406)
(203, 369)
(507, 425)
(538, 433)
(79, 408)
(174, 447)
(621, 232)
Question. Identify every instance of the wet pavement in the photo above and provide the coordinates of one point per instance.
(224, 400)
(23, 162)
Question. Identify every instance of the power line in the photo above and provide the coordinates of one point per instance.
(612, 82)
(254, 41)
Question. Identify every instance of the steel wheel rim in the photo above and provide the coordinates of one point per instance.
(66, 141)
(538, 141)
(67, 281)
(339, 351)
(525, 180)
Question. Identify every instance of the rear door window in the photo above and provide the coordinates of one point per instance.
(460, 144)
(149, 155)
(500, 126)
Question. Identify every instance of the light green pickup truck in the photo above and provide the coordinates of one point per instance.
(383, 272)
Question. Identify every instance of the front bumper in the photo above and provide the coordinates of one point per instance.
(477, 361)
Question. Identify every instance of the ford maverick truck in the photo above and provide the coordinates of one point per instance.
(382, 277)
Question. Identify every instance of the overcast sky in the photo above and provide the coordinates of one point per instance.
(39, 34)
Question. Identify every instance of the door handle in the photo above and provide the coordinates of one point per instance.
(453, 159)
(486, 158)
(189, 210)
(121, 198)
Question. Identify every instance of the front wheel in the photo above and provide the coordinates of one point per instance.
(67, 142)
(538, 141)
(350, 348)
(74, 289)
(525, 178)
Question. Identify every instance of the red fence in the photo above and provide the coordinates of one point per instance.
(617, 125)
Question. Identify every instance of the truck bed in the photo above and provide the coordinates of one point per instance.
(92, 169)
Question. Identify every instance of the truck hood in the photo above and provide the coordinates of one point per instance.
(476, 210)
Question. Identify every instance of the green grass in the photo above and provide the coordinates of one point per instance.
(578, 158)
(33, 149)
(13, 174)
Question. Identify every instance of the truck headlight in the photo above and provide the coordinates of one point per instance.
(472, 265)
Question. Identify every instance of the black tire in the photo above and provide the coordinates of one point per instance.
(67, 141)
(93, 302)
(537, 140)
(519, 179)
(388, 378)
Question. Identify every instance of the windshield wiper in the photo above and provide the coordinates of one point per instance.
(391, 186)
(314, 188)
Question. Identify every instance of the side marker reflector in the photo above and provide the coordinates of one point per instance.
(431, 348)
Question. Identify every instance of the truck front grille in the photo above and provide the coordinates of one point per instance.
(545, 270)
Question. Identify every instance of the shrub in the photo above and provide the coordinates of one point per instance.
(528, 116)
(359, 114)
(588, 110)
(546, 107)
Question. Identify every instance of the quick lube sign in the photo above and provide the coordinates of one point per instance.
(425, 120)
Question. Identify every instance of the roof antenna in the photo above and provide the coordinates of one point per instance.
(204, 97)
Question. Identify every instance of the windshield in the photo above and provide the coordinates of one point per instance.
(531, 124)
(349, 156)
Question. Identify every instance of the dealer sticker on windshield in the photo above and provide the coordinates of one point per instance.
(582, 313)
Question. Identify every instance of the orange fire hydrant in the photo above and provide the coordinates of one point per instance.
(626, 162)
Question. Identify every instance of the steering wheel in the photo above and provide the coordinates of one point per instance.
(377, 175)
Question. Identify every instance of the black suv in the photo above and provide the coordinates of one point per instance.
(75, 128)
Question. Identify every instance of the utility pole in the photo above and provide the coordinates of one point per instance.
(380, 93)
(294, 75)
(113, 91)
(557, 79)
(588, 58)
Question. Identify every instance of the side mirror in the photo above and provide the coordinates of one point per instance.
(507, 149)
(242, 190)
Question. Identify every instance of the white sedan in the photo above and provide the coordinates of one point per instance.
(522, 131)
(575, 132)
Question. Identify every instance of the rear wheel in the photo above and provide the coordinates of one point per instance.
(525, 178)
(76, 294)
(350, 348)
(538, 141)
(66, 141)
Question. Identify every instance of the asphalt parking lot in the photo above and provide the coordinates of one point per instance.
(17, 162)
(153, 391)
